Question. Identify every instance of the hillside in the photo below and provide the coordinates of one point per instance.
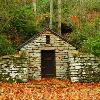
(80, 23)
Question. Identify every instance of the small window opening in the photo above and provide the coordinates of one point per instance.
(47, 39)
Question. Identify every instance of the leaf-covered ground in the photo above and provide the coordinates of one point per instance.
(49, 89)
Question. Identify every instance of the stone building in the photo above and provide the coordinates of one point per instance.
(49, 56)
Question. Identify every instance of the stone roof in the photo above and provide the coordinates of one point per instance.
(38, 34)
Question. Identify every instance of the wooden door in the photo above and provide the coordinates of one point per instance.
(48, 65)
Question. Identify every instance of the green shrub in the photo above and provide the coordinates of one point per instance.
(24, 21)
(6, 47)
(92, 45)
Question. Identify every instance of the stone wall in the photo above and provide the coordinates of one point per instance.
(67, 65)
(13, 69)
(79, 64)
(34, 48)
(70, 63)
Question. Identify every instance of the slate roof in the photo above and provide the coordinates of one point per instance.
(38, 34)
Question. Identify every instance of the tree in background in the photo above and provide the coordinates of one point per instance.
(59, 16)
(51, 14)
(19, 19)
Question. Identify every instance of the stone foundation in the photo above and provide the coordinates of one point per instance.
(13, 70)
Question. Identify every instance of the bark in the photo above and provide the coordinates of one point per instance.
(24, 1)
(59, 16)
(34, 6)
(34, 3)
(51, 13)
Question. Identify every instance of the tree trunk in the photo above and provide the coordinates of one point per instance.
(34, 10)
(34, 6)
(24, 1)
(51, 13)
(59, 16)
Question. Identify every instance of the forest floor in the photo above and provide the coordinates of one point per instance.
(49, 89)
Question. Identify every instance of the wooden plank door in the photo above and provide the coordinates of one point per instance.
(48, 64)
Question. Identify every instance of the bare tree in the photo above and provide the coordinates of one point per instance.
(34, 6)
(59, 16)
(51, 13)
(34, 3)
(24, 1)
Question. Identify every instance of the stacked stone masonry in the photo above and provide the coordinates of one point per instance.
(67, 58)
(12, 71)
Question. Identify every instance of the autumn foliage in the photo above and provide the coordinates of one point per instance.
(50, 89)
(75, 20)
